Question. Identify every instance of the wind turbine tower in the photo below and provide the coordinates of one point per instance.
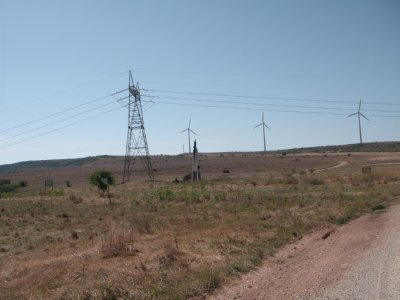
(359, 114)
(189, 131)
(263, 127)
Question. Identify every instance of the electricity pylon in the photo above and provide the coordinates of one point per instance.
(263, 127)
(359, 114)
(136, 142)
(189, 131)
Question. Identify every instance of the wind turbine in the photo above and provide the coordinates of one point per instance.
(189, 131)
(359, 114)
(263, 127)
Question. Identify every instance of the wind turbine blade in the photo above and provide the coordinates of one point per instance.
(267, 126)
(352, 115)
(193, 131)
(190, 120)
(183, 131)
(364, 117)
(257, 125)
(359, 106)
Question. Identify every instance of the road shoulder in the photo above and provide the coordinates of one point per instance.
(311, 264)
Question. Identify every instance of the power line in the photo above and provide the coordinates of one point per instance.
(59, 128)
(61, 111)
(264, 97)
(267, 104)
(261, 109)
(270, 75)
(56, 122)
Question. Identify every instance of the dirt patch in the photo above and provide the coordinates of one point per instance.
(339, 165)
(304, 267)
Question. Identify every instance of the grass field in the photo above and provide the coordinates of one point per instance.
(164, 240)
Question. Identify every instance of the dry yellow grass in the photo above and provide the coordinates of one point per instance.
(167, 240)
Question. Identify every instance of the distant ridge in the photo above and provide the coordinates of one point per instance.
(53, 163)
(365, 147)
(77, 162)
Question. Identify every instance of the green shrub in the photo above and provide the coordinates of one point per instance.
(56, 193)
(23, 183)
(378, 207)
(96, 178)
(316, 181)
(7, 188)
(5, 181)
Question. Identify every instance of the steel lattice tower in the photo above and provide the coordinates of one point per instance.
(136, 142)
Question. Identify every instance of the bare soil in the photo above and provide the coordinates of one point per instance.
(309, 267)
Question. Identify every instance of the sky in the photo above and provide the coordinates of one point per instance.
(305, 64)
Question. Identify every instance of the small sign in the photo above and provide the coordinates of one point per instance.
(48, 183)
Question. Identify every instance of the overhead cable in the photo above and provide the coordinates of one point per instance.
(267, 104)
(61, 111)
(59, 128)
(262, 109)
(56, 122)
(264, 97)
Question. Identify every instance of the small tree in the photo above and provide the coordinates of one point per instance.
(102, 179)
(23, 183)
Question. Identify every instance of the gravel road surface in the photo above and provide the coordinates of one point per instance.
(376, 274)
(360, 260)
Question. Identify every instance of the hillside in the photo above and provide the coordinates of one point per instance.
(366, 147)
(77, 162)
(54, 163)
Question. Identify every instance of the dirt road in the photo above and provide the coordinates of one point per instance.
(360, 260)
(376, 275)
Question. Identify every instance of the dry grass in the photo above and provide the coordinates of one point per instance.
(169, 240)
(118, 242)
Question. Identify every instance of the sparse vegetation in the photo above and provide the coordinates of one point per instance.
(119, 242)
(167, 240)
(102, 179)
(316, 181)
(187, 177)
(23, 183)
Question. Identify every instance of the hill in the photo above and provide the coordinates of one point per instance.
(366, 147)
(77, 162)
(54, 163)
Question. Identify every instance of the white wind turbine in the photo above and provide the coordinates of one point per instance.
(189, 131)
(263, 127)
(359, 114)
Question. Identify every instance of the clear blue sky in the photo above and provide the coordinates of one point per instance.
(59, 54)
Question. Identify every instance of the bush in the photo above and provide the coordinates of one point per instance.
(187, 177)
(378, 207)
(7, 188)
(96, 178)
(23, 183)
(316, 181)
